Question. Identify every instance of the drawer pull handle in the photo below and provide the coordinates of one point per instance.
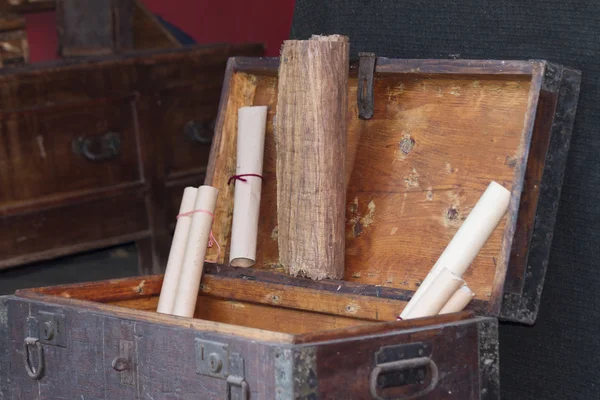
(120, 364)
(404, 365)
(200, 132)
(33, 372)
(98, 148)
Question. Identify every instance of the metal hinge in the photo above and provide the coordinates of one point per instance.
(214, 359)
(365, 95)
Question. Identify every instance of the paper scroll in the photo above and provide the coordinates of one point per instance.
(469, 240)
(441, 289)
(175, 260)
(250, 149)
(459, 300)
(195, 250)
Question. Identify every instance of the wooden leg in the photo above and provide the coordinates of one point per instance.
(146, 259)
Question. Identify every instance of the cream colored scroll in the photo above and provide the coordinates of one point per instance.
(195, 251)
(175, 260)
(246, 205)
(470, 238)
(437, 295)
(459, 300)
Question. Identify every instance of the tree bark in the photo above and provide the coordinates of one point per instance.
(310, 131)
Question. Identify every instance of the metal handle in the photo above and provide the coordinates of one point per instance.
(120, 364)
(403, 365)
(98, 148)
(34, 373)
(200, 132)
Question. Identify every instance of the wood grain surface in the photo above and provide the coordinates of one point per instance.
(422, 162)
(311, 150)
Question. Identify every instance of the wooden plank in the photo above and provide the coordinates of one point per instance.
(85, 27)
(240, 92)
(345, 367)
(523, 288)
(520, 170)
(148, 32)
(103, 291)
(163, 359)
(374, 329)
(33, 236)
(153, 317)
(341, 298)
(286, 296)
(501, 68)
(27, 6)
(257, 316)
(44, 146)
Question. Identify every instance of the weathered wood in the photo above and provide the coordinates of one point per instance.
(142, 315)
(311, 151)
(148, 32)
(345, 368)
(85, 27)
(45, 172)
(363, 330)
(524, 282)
(257, 316)
(27, 6)
(13, 41)
(40, 235)
(165, 361)
(336, 298)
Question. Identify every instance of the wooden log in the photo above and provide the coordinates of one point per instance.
(310, 131)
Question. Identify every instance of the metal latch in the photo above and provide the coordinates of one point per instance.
(214, 359)
(47, 329)
(406, 366)
(365, 96)
(124, 363)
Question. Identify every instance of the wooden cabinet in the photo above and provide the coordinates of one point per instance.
(94, 152)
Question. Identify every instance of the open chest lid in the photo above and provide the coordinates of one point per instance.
(440, 132)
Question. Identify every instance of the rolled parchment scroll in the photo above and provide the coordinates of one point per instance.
(175, 260)
(246, 205)
(195, 250)
(441, 289)
(459, 300)
(470, 238)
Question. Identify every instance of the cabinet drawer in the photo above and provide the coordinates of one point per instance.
(58, 150)
(187, 123)
(68, 229)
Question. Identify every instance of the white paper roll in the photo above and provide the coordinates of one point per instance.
(459, 300)
(470, 238)
(175, 260)
(437, 295)
(250, 150)
(195, 251)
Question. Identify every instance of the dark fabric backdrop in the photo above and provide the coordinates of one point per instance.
(558, 357)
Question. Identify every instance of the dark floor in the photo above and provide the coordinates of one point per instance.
(115, 262)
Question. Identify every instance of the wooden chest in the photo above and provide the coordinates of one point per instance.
(110, 142)
(440, 131)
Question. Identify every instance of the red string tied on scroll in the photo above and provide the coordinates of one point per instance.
(240, 177)
(211, 238)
